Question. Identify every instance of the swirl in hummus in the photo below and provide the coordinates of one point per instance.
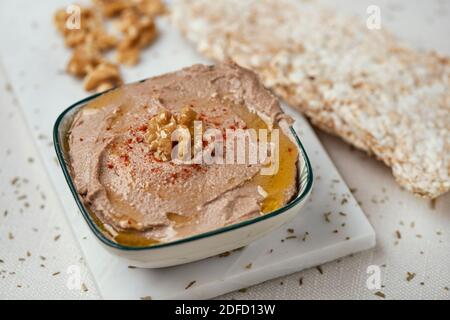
(139, 199)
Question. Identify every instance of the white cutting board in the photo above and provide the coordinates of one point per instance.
(34, 59)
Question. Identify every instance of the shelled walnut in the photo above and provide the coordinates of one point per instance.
(90, 41)
(105, 76)
(161, 127)
(139, 31)
(90, 30)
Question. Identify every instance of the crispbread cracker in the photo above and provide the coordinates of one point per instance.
(359, 84)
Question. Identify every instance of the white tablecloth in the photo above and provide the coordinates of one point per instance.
(37, 247)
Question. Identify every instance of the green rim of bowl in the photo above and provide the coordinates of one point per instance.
(306, 176)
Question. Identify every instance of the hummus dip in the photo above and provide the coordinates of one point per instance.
(133, 190)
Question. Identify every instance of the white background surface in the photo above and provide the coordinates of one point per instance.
(425, 232)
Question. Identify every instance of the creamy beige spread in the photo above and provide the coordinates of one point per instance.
(139, 199)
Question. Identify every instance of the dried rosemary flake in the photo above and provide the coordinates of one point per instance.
(291, 237)
(243, 290)
(300, 281)
(10, 236)
(398, 234)
(410, 276)
(343, 214)
(14, 180)
(224, 254)
(132, 267)
(380, 294)
(319, 268)
(433, 204)
(84, 287)
(326, 216)
(335, 231)
(290, 230)
(55, 273)
(190, 284)
(28, 254)
(249, 266)
(305, 236)
(56, 238)
(344, 201)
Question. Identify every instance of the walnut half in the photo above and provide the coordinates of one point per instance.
(105, 76)
(160, 129)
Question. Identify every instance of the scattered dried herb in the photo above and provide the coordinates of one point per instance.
(380, 294)
(319, 268)
(326, 216)
(249, 266)
(56, 273)
(243, 290)
(14, 180)
(433, 204)
(343, 214)
(410, 276)
(146, 298)
(190, 284)
(300, 281)
(290, 230)
(398, 234)
(56, 238)
(224, 254)
(305, 236)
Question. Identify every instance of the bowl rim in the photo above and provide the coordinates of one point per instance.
(105, 240)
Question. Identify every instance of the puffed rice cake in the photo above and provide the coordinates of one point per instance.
(360, 84)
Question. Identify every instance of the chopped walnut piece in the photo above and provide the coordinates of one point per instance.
(139, 31)
(160, 129)
(91, 29)
(136, 22)
(151, 7)
(84, 59)
(105, 76)
(128, 56)
(111, 8)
